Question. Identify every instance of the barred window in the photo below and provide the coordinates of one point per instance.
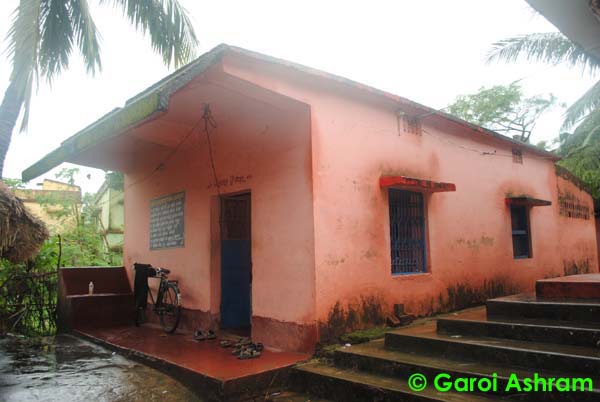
(407, 232)
(521, 235)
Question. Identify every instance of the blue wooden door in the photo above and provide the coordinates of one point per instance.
(236, 265)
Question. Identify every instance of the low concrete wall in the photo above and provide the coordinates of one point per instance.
(111, 304)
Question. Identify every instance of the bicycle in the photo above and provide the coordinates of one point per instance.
(167, 304)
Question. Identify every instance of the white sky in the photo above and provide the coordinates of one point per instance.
(427, 51)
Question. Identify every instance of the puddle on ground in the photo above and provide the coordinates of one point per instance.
(67, 369)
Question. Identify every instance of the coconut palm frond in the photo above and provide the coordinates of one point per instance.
(167, 24)
(550, 47)
(56, 41)
(587, 133)
(86, 35)
(23, 50)
(589, 102)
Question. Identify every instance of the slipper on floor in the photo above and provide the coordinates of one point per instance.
(226, 343)
(210, 334)
(243, 341)
(257, 346)
(199, 335)
(249, 354)
(238, 350)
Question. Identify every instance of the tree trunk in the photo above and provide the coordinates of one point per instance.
(9, 113)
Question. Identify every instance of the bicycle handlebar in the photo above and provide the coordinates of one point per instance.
(160, 270)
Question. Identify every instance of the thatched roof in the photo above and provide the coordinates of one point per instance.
(21, 233)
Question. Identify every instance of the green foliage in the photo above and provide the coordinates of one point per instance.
(503, 108)
(44, 34)
(581, 152)
(28, 294)
(83, 243)
(581, 149)
(546, 47)
(13, 183)
(553, 48)
(68, 175)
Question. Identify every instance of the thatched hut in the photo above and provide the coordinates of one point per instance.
(21, 233)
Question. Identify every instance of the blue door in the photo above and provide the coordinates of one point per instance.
(236, 265)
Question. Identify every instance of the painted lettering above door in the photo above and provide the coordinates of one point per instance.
(231, 180)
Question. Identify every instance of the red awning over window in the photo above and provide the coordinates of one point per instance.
(408, 183)
(527, 201)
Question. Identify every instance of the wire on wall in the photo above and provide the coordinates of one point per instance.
(196, 126)
(209, 122)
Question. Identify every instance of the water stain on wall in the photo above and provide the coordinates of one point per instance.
(364, 312)
(462, 294)
(583, 266)
(474, 244)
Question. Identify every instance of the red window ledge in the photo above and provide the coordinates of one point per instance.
(408, 183)
(527, 201)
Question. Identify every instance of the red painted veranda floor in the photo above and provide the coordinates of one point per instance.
(205, 357)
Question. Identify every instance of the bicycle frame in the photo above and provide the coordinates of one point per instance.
(161, 288)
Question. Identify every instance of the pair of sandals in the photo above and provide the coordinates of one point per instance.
(228, 343)
(249, 351)
(244, 348)
(200, 335)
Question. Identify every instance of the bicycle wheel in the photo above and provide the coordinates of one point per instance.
(140, 316)
(170, 308)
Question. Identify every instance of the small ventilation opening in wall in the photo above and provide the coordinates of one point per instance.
(409, 124)
(517, 155)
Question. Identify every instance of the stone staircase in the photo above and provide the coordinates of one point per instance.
(519, 335)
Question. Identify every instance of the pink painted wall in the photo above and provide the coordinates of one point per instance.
(356, 138)
(312, 151)
(598, 235)
(265, 148)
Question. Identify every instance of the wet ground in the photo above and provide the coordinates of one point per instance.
(67, 369)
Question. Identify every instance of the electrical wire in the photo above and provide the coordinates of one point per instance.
(161, 165)
(210, 121)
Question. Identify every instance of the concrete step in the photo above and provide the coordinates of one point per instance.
(289, 396)
(528, 306)
(549, 331)
(374, 358)
(565, 358)
(345, 385)
(586, 286)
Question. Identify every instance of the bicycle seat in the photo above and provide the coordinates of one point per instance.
(165, 271)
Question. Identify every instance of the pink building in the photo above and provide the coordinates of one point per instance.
(299, 204)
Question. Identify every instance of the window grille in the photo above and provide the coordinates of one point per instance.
(517, 156)
(407, 232)
(521, 235)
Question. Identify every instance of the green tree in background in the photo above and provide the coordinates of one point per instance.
(553, 48)
(581, 152)
(580, 148)
(44, 34)
(503, 108)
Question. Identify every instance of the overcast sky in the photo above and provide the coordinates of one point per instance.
(427, 51)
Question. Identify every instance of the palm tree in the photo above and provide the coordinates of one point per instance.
(581, 149)
(44, 34)
(553, 48)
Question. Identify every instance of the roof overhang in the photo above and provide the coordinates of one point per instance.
(527, 201)
(575, 19)
(409, 183)
(154, 101)
(143, 107)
